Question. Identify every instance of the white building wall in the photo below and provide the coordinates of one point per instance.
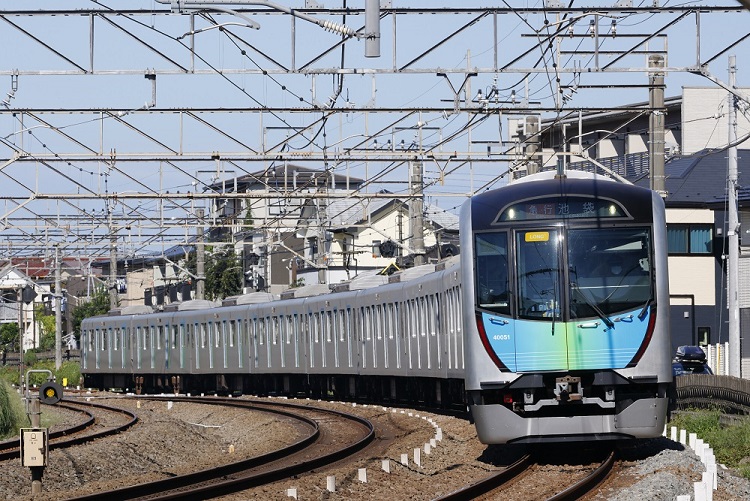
(685, 216)
(704, 119)
(693, 275)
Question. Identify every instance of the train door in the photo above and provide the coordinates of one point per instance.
(540, 334)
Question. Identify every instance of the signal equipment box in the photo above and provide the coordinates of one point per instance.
(33, 447)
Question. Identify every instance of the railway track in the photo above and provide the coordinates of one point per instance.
(331, 436)
(94, 415)
(526, 479)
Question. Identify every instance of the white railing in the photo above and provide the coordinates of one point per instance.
(717, 356)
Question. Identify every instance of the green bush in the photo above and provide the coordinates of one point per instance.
(12, 415)
(10, 374)
(29, 358)
(70, 370)
(731, 444)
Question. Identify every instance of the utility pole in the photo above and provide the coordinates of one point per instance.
(533, 140)
(416, 208)
(112, 264)
(733, 232)
(200, 258)
(656, 124)
(58, 309)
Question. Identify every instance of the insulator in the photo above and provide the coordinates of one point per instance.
(337, 28)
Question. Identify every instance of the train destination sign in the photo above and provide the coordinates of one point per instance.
(561, 207)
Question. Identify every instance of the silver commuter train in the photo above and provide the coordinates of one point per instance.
(557, 348)
(566, 310)
(398, 341)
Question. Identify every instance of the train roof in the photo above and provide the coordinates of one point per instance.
(487, 206)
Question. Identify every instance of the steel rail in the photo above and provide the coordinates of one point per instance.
(205, 484)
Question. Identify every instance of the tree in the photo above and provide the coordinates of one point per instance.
(48, 327)
(223, 270)
(223, 275)
(9, 337)
(97, 305)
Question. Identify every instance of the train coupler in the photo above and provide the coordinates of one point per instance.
(568, 389)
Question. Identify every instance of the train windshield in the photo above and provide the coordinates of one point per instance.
(607, 270)
(610, 270)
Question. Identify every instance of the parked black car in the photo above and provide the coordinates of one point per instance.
(690, 360)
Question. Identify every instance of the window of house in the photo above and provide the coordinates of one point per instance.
(376, 248)
(690, 238)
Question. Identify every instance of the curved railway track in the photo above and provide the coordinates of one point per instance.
(493, 486)
(321, 446)
(78, 433)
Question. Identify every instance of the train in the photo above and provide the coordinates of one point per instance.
(518, 328)
(394, 338)
(566, 319)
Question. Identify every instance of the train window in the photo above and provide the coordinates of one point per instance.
(491, 251)
(104, 339)
(379, 324)
(275, 330)
(146, 338)
(92, 339)
(288, 329)
(173, 333)
(116, 339)
(215, 329)
(329, 327)
(316, 323)
(341, 327)
(232, 333)
(261, 331)
(609, 270)
(202, 330)
(159, 334)
(538, 272)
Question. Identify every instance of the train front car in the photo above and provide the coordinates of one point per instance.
(565, 310)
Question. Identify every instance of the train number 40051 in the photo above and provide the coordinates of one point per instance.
(501, 337)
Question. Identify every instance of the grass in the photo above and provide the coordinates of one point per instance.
(68, 370)
(731, 444)
(12, 414)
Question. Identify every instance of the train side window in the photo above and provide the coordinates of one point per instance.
(328, 326)
(316, 323)
(146, 338)
(368, 323)
(341, 325)
(275, 330)
(116, 339)
(175, 331)
(491, 268)
(232, 333)
(289, 328)
(379, 322)
(262, 331)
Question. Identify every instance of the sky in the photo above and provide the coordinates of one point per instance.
(108, 136)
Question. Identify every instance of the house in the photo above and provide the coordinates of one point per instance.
(296, 226)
